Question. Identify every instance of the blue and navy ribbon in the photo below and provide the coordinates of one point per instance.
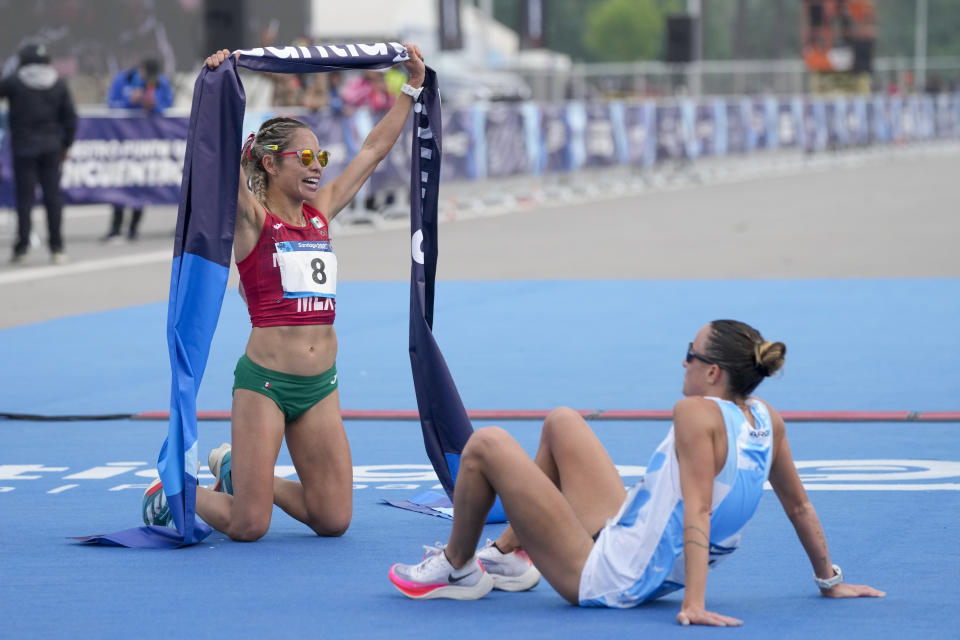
(201, 261)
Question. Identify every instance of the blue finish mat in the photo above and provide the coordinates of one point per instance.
(887, 494)
(852, 345)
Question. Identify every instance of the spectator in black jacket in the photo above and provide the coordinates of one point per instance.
(43, 123)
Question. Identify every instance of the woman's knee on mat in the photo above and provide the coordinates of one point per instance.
(329, 522)
(248, 528)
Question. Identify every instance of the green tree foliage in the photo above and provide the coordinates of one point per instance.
(625, 30)
(563, 24)
(602, 30)
(896, 25)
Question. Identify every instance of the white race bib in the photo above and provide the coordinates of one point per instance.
(308, 268)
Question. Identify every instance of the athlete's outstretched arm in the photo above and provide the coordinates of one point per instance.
(695, 423)
(335, 195)
(793, 497)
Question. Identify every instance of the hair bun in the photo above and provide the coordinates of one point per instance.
(769, 356)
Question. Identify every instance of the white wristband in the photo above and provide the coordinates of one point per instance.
(410, 91)
(830, 583)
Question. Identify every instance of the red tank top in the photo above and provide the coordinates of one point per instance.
(260, 275)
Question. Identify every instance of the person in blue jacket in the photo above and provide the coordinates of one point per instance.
(144, 88)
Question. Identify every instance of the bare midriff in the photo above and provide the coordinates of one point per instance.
(306, 350)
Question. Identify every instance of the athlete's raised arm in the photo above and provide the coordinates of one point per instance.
(335, 195)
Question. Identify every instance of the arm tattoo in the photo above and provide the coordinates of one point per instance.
(696, 543)
(698, 530)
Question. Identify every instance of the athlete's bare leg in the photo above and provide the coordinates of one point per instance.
(571, 455)
(256, 434)
(323, 498)
(543, 520)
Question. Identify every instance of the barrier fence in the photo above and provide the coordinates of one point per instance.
(132, 160)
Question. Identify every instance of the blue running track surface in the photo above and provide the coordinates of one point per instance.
(888, 493)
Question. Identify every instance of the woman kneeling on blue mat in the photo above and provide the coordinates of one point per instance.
(600, 545)
(285, 383)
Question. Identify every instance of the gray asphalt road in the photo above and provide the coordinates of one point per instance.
(894, 213)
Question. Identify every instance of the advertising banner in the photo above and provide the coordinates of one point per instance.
(641, 128)
(707, 126)
(598, 139)
(506, 148)
(458, 161)
(670, 143)
(738, 133)
(555, 135)
(126, 160)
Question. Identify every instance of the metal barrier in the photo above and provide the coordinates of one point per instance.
(136, 160)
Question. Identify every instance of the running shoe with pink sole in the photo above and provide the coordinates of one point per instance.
(435, 577)
(512, 571)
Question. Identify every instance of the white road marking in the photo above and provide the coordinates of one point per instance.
(99, 473)
(87, 266)
(63, 488)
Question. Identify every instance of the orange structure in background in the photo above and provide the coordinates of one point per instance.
(838, 39)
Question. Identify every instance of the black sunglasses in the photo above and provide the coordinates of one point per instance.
(691, 355)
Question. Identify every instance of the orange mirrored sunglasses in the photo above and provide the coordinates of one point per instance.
(307, 156)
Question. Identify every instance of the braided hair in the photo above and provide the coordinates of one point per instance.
(741, 351)
(275, 131)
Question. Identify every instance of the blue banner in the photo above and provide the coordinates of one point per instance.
(688, 130)
(125, 160)
(556, 136)
(955, 109)
(640, 124)
(443, 419)
(928, 117)
(505, 142)
(834, 111)
(707, 127)
(599, 143)
(670, 142)
(459, 163)
(876, 120)
(135, 160)
(737, 131)
(790, 124)
(857, 125)
(763, 123)
(944, 116)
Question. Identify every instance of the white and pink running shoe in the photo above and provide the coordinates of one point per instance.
(512, 571)
(435, 577)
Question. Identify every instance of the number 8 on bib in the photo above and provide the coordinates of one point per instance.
(308, 268)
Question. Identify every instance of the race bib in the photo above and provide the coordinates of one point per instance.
(308, 268)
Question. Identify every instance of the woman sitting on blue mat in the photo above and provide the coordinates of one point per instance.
(285, 384)
(599, 545)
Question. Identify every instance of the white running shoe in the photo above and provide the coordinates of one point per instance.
(435, 577)
(219, 463)
(512, 571)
